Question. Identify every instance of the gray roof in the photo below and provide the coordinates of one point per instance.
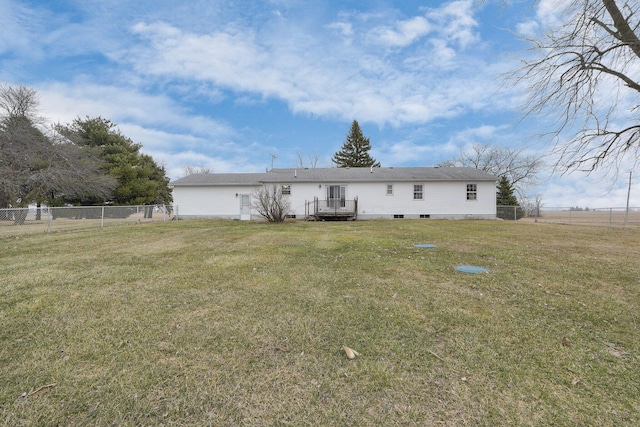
(342, 175)
(220, 179)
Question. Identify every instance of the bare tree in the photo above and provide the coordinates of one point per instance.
(193, 170)
(532, 205)
(310, 162)
(18, 101)
(521, 169)
(585, 74)
(271, 204)
(37, 164)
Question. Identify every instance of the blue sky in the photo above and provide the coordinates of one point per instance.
(226, 84)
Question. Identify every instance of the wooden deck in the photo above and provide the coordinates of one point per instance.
(331, 210)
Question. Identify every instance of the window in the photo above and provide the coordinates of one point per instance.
(398, 216)
(472, 192)
(425, 216)
(417, 192)
(389, 189)
(286, 189)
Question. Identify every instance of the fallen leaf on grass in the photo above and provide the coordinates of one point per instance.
(575, 382)
(351, 353)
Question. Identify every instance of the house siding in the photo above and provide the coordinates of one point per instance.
(208, 202)
(442, 199)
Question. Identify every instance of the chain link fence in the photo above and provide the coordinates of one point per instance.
(49, 219)
(606, 217)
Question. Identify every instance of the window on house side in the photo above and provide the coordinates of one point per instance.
(417, 192)
(472, 192)
(389, 189)
(286, 189)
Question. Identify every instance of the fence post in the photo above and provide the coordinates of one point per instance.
(49, 219)
(102, 218)
(610, 217)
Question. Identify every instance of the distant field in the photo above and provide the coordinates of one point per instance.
(602, 217)
(230, 323)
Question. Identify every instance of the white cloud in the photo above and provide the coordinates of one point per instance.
(407, 151)
(593, 191)
(175, 162)
(327, 79)
(551, 12)
(345, 29)
(528, 28)
(456, 22)
(548, 13)
(404, 32)
(64, 101)
(14, 26)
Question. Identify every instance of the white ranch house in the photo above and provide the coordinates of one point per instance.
(345, 193)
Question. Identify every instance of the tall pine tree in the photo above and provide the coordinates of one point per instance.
(507, 201)
(355, 150)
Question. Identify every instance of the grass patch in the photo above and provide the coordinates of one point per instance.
(228, 323)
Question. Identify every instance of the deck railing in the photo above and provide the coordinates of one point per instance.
(332, 208)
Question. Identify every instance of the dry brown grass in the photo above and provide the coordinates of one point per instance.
(226, 323)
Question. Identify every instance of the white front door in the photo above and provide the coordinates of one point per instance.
(245, 207)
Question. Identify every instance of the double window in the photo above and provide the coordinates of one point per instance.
(286, 189)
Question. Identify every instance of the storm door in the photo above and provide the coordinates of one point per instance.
(245, 207)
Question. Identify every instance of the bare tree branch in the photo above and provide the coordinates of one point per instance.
(271, 204)
(521, 169)
(585, 75)
(193, 170)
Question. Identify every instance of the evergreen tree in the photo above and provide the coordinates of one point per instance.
(355, 150)
(139, 179)
(505, 197)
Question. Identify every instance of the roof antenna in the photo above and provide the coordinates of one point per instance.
(273, 159)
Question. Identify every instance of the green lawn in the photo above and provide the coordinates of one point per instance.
(228, 323)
